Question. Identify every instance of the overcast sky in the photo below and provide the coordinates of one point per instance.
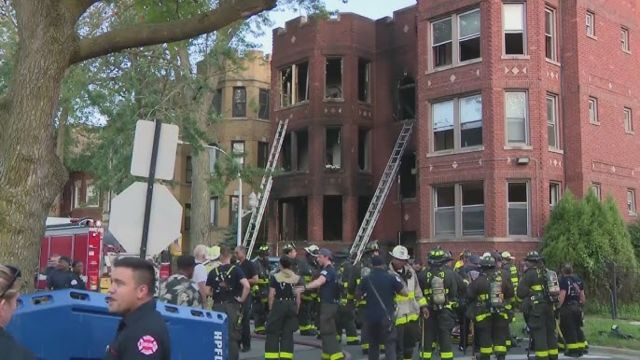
(373, 9)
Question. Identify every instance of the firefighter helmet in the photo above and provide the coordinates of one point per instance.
(400, 252)
(507, 255)
(288, 247)
(533, 256)
(312, 250)
(263, 249)
(372, 246)
(436, 256)
(487, 261)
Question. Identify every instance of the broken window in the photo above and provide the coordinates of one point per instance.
(333, 78)
(217, 102)
(364, 73)
(302, 150)
(294, 84)
(408, 239)
(263, 154)
(408, 176)
(407, 98)
(333, 149)
(293, 219)
(332, 218)
(263, 100)
(286, 152)
(514, 31)
(442, 43)
(239, 102)
(364, 149)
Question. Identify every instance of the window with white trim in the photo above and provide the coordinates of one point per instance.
(516, 111)
(459, 210)
(624, 39)
(554, 194)
(597, 190)
(518, 207)
(628, 120)
(631, 201)
(552, 122)
(590, 22)
(550, 45)
(593, 110)
(513, 26)
(294, 84)
(456, 39)
(237, 150)
(457, 123)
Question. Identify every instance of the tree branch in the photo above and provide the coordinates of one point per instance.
(153, 34)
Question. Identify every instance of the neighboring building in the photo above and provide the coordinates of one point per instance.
(242, 100)
(516, 101)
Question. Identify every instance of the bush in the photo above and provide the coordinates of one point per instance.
(593, 237)
(634, 232)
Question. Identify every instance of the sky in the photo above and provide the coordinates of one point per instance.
(373, 9)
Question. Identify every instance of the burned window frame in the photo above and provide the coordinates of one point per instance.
(340, 90)
(403, 190)
(364, 149)
(364, 80)
(295, 96)
(406, 85)
(335, 213)
(333, 166)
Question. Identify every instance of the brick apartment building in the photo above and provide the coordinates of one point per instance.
(514, 101)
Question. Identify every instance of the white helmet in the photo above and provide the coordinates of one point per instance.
(312, 249)
(400, 252)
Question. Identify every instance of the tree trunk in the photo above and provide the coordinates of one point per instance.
(31, 175)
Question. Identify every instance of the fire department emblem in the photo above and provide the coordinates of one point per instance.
(147, 345)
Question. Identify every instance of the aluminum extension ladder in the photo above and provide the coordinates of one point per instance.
(377, 202)
(265, 188)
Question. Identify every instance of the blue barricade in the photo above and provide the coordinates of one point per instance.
(76, 325)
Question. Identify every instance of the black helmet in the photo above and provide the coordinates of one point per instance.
(263, 249)
(288, 247)
(436, 256)
(496, 255)
(487, 261)
(533, 256)
(372, 246)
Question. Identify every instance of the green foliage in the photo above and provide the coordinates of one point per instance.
(8, 44)
(592, 236)
(634, 233)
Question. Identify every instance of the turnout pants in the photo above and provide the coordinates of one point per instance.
(330, 348)
(571, 327)
(306, 316)
(492, 331)
(437, 329)
(260, 310)
(408, 336)
(346, 321)
(379, 334)
(232, 309)
(542, 325)
(246, 322)
(281, 324)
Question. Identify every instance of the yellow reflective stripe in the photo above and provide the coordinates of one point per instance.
(446, 355)
(500, 349)
(486, 350)
(286, 355)
(422, 301)
(542, 353)
(425, 355)
(536, 287)
(401, 320)
(482, 317)
(412, 317)
(410, 296)
(364, 346)
(352, 338)
(325, 356)
(574, 346)
(336, 356)
(271, 355)
(483, 297)
(553, 352)
(259, 328)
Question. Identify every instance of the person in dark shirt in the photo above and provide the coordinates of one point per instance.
(142, 332)
(329, 292)
(572, 299)
(249, 270)
(9, 292)
(380, 308)
(229, 288)
(76, 276)
(60, 277)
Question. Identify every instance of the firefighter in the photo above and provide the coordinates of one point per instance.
(572, 299)
(260, 290)
(510, 270)
(283, 305)
(488, 295)
(309, 270)
(538, 290)
(441, 291)
(361, 270)
(409, 307)
(327, 283)
(346, 309)
(289, 250)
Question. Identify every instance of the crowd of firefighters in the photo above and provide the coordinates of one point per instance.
(471, 301)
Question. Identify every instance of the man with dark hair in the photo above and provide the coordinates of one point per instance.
(60, 277)
(76, 276)
(229, 288)
(179, 289)
(142, 333)
(250, 273)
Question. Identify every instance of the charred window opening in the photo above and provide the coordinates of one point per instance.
(286, 152)
(407, 98)
(364, 80)
(294, 84)
(333, 78)
(332, 217)
(364, 149)
(293, 219)
(408, 239)
(363, 206)
(333, 148)
(302, 150)
(239, 102)
(408, 176)
(263, 154)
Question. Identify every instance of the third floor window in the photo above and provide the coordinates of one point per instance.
(550, 42)
(239, 102)
(513, 22)
(456, 39)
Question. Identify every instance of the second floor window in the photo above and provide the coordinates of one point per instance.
(263, 110)
(239, 102)
(456, 39)
(263, 154)
(513, 22)
(624, 39)
(457, 123)
(516, 117)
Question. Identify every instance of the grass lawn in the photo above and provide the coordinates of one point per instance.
(593, 326)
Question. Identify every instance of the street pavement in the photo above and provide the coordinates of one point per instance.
(311, 352)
